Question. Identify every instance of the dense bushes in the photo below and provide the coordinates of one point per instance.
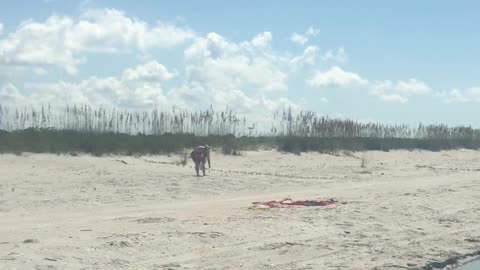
(65, 141)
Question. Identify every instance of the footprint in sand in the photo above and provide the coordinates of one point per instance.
(45, 267)
(30, 241)
(155, 220)
(119, 244)
(120, 263)
(287, 266)
(170, 266)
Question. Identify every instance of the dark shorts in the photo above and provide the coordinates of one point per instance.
(199, 158)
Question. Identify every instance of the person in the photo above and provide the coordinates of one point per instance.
(200, 155)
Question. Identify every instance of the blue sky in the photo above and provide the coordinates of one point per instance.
(402, 62)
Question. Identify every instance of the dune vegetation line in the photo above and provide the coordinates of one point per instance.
(101, 131)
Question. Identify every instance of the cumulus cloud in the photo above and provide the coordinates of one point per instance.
(474, 93)
(388, 91)
(299, 39)
(308, 58)
(312, 31)
(393, 98)
(36, 44)
(453, 96)
(60, 40)
(457, 96)
(198, 96)
(142, 87)
(151, 71)
(336, 77)
(217, 72)
(215, 61)
(138, 87)
(302, 39)
(111, 30)
(339, 55)
(399, 91)
(262, 40)
(10, 94)
(412, 87)
(240, 75)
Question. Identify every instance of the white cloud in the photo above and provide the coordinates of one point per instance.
(454, 96)
(262, 40)
(10, 94)
(137, 88)
(109, 30)
(412, 87)
(218, 71)
(338, 56)
(299, 39)
(379, 88)
(303, 39)
(142, 87)
(336, 77)
(151, 71)
(393, 98)
(197, 96)
(37, 44)
(1, 29)
(386, 91)
(474, 93)
(457, 96)
(312, 31)
(399, 91)
(308, 57)
(234, 74)
(217, 62)
(60, 40)
(110, 91)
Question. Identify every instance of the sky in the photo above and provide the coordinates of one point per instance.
(383, 61)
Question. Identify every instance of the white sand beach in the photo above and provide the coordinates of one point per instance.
(400, 210)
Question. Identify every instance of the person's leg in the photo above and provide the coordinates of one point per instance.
(202, 166)
(197, 167)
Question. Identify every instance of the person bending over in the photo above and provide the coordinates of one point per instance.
(200, 155)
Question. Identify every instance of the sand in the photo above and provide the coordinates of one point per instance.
(400, 210)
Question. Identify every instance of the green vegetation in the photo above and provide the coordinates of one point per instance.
(101, 131)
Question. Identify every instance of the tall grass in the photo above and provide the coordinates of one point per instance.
(101, 120)
(309, 124)
(102, 130)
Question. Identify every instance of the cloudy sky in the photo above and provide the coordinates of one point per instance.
(404, 62)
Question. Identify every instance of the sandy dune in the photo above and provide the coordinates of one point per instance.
(402, 210)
